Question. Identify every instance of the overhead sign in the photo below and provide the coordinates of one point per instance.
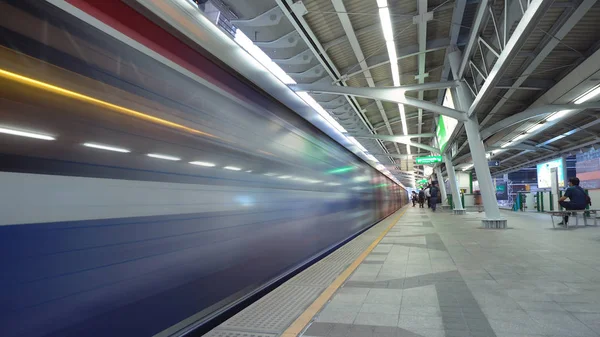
(493, 163)
(428, 160)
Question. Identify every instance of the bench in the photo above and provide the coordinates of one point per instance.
(593, 214)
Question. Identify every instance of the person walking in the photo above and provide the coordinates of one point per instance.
(578, 200)
(414, 198)
(428, 195)
(421, 198)
(434, 192)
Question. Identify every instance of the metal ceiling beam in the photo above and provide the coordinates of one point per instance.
(538, 111)
(457, 17)
(402, 140)
(421, 21)
(482, 13)
(377, 26)
(339, 7)
(405, 52)
(540, 159)
(397, 156)
(391, 94)
(529, 21)
(363, 135)
(294, 13)
(560, 29)
(394, 120)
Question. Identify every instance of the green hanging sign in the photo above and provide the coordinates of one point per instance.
(428, 160)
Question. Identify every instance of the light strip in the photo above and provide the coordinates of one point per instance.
(232, 168)
(559, 114)
(81, 97)
(26, 134)
(162, 156)
(106, 147)
(588, 95)
(202, 163)
(388, 34)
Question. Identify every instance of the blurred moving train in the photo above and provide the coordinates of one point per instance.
(134, 197)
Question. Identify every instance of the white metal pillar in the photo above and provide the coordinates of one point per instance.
(458, 207)
(440, 179)
(493, 218)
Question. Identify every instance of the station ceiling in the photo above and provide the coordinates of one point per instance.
(555, 60)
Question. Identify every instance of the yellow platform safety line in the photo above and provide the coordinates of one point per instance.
(306, 317)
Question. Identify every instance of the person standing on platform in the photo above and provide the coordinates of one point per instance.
(414, 198)
(421, 198)
(434, 192)
(578, 200)
(428, 196)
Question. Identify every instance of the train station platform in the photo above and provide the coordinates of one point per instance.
(419, 273)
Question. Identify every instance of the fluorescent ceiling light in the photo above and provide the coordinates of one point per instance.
(284, 177)
(162, 156)
(106, 147)
(467, 167)
(269, 174)
(506, 144)
(333, 184)
(558, 115)
(535, 128)
(595, 91)
(386, 24)
(382, 3)
(232, 168)
(202, 163)
(249, 171)
(26, 134)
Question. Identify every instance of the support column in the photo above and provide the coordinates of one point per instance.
(440, 179)
(493, 218)
(458, 207)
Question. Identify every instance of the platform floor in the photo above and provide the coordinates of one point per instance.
(423, 274)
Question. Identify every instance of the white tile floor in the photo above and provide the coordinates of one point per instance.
(454, 279)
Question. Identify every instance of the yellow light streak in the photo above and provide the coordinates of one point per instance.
(84, 98)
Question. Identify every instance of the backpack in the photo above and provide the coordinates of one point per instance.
(421, 194)
(588, 200)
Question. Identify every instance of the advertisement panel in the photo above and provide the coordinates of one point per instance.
(544, 173)
(502, 191)
(446, 125)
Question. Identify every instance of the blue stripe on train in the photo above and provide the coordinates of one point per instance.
(141, 275)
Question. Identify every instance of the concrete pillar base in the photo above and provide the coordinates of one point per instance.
(494, 223)
(459, 212)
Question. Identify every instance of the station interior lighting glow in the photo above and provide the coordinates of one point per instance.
(388, 34)
(106, 147)
(27, 134)
(202, 163)
(232, 168)
(162, 156)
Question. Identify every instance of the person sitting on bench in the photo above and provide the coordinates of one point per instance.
(577, 199)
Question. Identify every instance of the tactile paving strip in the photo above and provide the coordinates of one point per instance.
(223, 333)
(321, 274)
(272, 314)
(289, 300)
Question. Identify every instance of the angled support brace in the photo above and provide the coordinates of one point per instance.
(402, 140)
(390, 94)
